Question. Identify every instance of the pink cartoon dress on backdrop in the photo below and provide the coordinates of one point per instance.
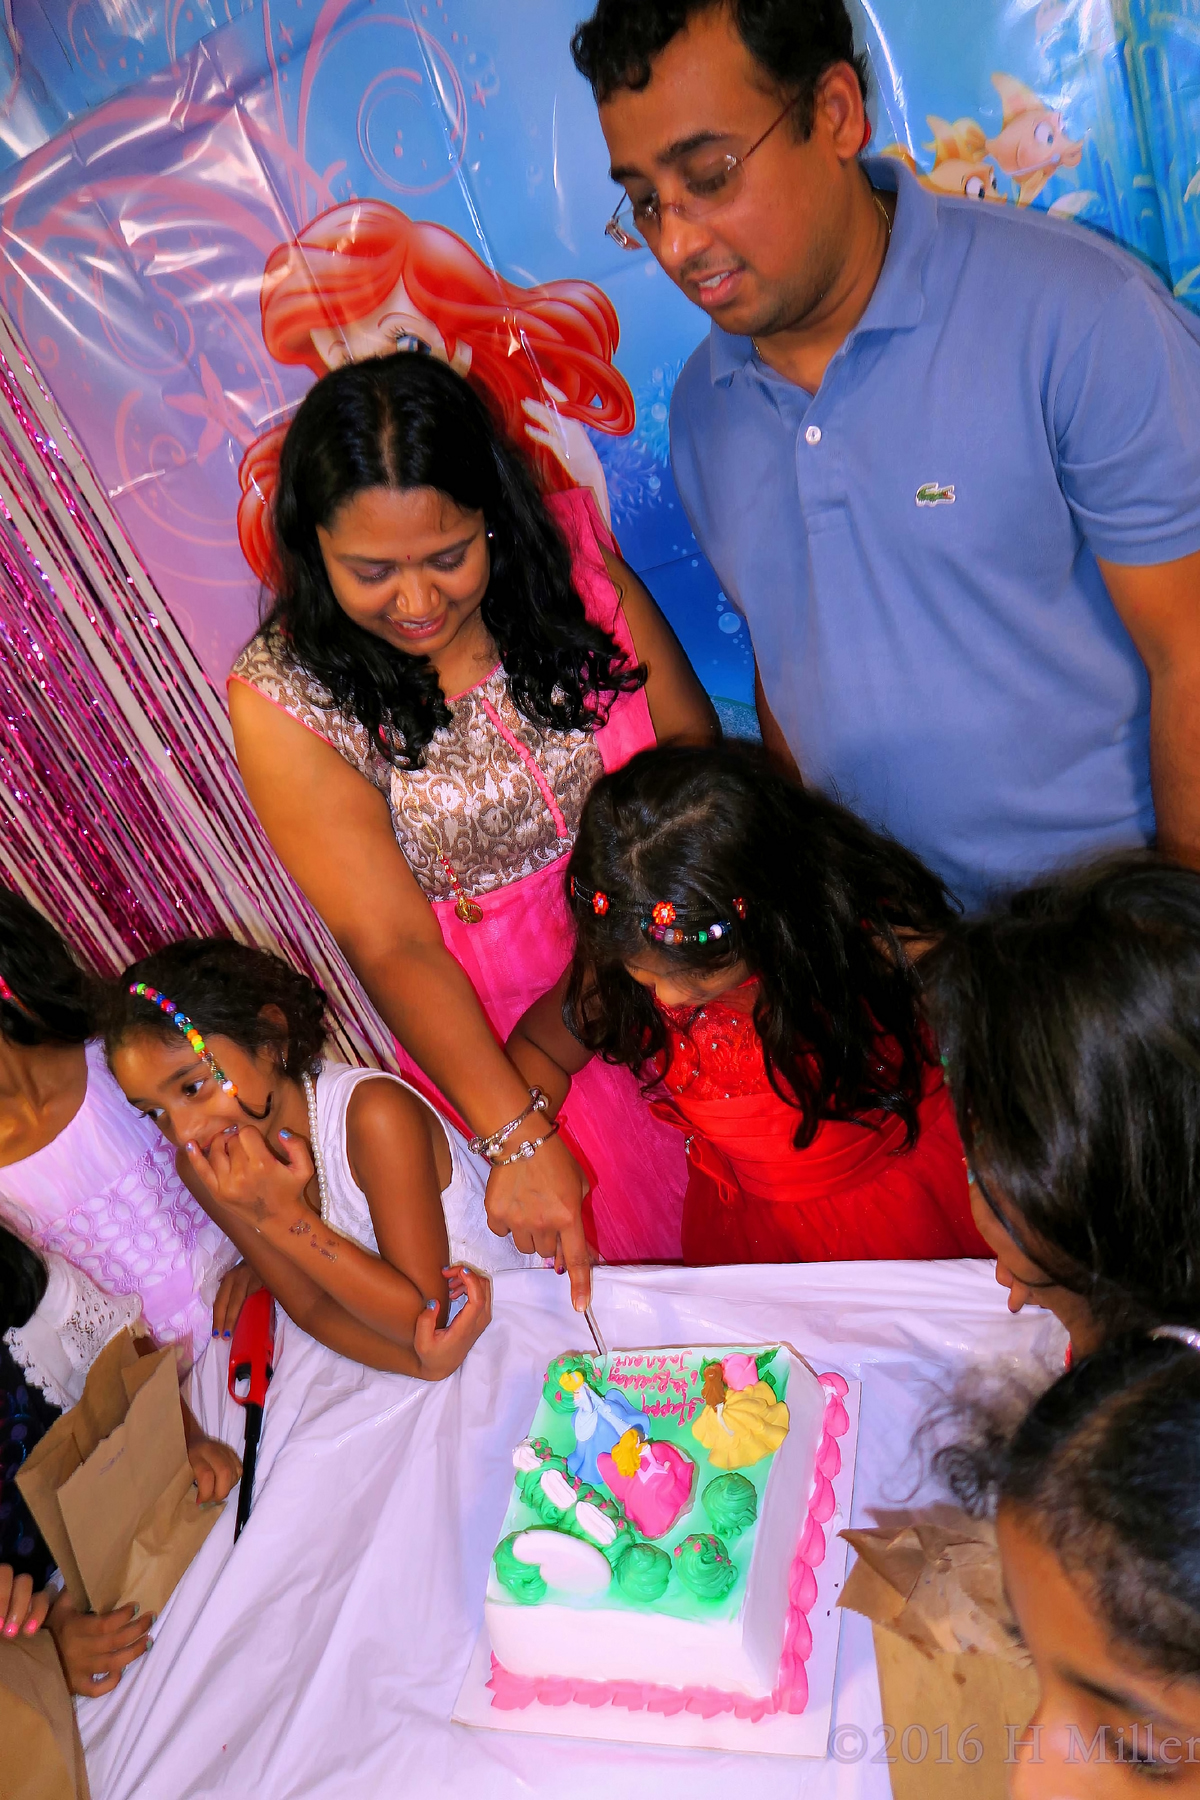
(485, 827)
(104, 1194)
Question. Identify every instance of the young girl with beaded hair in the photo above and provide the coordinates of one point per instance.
(747, 946)
(352, 1200)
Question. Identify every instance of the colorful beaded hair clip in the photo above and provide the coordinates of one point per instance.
(7, 994)
(184, 1025)
(659, 924)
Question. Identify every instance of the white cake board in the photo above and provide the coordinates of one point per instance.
(780, 1734)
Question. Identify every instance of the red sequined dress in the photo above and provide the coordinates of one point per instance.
(855, 1194)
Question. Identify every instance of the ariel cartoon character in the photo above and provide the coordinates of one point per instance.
(365, 280)
(741, 1420)
(1031, 145)
(601, 1419)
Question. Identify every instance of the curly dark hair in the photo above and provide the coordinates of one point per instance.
(795, 41)
(1105, 1469)
(826, 899)
(1070, 1023)
(53, 996)
(225, 988)
(406, 422)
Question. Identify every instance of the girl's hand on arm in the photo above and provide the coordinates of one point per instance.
(441, 1349)
(22, 1611)
(543, 1049)
(235, 1289)
(680, 710)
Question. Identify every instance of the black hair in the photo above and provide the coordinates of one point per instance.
(406, 422)
(826, 902)
(52, 996)
(1070, 1023)
(224, 988)
(794, 41)
(1105, 1470)
(23, 1279)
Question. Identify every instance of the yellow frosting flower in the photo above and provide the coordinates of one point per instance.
(750, 1425)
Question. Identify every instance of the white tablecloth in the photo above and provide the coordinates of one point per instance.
(321, 1657)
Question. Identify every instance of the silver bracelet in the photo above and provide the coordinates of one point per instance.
(529, 1148)
(496, 1140)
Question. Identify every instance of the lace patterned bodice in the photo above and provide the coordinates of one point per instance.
(499, 797)
(106, 1196)
(713, 1052)
(71, 1326)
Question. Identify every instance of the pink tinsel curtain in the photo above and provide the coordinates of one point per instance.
(122, 815)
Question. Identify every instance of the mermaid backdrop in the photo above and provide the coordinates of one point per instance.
(205, 203)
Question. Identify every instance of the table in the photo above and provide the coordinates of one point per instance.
(320, 1658)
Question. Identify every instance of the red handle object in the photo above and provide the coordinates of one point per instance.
(250, 1371)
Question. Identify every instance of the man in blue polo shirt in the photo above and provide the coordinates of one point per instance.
(943, 456)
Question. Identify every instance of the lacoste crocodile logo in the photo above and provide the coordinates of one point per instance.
(930, 493)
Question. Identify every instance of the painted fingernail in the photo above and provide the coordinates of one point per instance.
(11, 1628)
(136, 1609)
(216, 1333)
(31, 1626)
(190, 1145)
(431, 1306)
(226, 1334)
(286, 1134)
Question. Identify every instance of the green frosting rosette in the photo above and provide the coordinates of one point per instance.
(643, 1572)
(523, 1580)
(705, 1566)
(731, 1503)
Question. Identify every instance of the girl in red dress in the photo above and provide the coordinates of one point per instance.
(747, 945)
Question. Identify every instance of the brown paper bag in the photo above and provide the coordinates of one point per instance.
(957, 1691)
(111, 1487)
(41, 1757)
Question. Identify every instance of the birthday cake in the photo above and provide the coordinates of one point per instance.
(668, 1512)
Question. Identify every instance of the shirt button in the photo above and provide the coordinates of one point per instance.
(813, 435)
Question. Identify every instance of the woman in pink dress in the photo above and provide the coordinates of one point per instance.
(451, 663)
(83, 1175)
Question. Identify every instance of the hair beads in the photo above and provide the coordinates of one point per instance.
(184, 1025)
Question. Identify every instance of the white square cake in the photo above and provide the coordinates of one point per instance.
(667, 1512)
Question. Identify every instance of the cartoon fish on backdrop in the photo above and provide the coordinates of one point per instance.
(1031, 145)
(959, 163)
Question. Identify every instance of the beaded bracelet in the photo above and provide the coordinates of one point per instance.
(530, 1147)
(496, 1140)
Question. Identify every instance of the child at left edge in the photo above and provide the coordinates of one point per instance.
(749, 947)
(342, 1188)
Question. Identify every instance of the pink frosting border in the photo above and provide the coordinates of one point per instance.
(511, 1693)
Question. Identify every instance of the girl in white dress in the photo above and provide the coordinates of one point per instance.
(351, 1198)
(81, 1175)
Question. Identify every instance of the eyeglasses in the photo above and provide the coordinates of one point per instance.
(709, 185)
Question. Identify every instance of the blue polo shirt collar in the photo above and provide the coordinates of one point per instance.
(899, 298)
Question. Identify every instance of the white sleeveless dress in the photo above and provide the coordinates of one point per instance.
(74, 1321)
(470, 1238)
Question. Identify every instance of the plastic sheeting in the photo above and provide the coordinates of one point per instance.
(321, 1657)
(162, 155)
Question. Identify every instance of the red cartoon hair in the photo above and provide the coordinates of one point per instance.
(345, 264)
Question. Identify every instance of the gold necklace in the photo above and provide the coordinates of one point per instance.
(887, 221)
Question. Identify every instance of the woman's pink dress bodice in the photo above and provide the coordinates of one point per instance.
(105, 1195)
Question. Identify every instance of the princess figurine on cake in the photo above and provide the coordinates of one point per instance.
(741, 1421)
(601, 1419)
(749, 948)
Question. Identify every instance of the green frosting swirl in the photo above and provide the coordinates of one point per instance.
(731, 1503)
(523, 1580)
(574, 1362)
(643, 1572)
(705, 1566)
